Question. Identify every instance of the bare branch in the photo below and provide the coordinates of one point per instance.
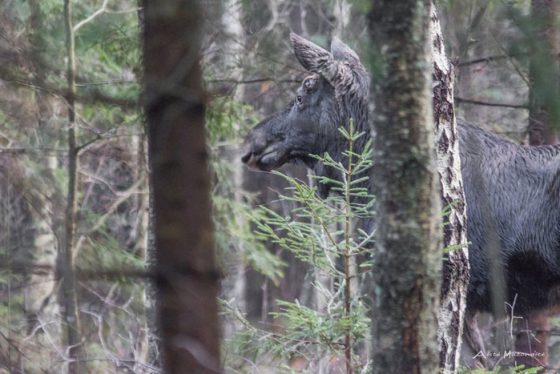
(91, 96)
(118, 272)
(492, 104)
(489, 59)
(252, 81)
(98, 12)
(101, 221)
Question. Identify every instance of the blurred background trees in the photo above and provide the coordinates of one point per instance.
(506, 65)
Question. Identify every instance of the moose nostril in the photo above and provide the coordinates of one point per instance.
(246, 157)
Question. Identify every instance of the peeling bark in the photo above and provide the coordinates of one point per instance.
(456, 265)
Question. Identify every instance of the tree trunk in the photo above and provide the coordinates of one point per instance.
(40, 306)
(16, 242)
(341, 13)
(544, 114)
(235, 282)
(533, 329)
(150, 291)
(456, 265)
(187, 279)
(71, 313)
(153, 340)
(408, 244)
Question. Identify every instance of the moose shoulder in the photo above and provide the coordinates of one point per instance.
(512, 191)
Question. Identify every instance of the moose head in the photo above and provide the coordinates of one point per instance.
(335, 93)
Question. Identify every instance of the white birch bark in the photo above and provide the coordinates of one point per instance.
(456, 267)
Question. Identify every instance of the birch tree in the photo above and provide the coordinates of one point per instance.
(456, 265)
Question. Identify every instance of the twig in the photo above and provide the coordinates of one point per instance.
(251, 81)
(91, 97)
(90, 18)
(124, 196)
(104, 83)
(492, 104)
(489, 59)
(512, 62)
(117, 273)
(123, 11)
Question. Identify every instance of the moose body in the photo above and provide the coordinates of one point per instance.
(512, 191)
(513, 195)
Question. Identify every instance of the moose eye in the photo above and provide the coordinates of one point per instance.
(299, 99)
(309, 84)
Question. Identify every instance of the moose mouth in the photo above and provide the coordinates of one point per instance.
(269, 159)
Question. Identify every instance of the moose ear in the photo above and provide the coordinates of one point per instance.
(310, 55)
(316, 59)
(341, 52)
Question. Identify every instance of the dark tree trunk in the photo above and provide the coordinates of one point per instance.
(153, 339)
(187, 279)
(409, 239)
(456, 265)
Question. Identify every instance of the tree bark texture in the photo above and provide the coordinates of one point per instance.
(456, 264)
(409, 233)
(187, 279)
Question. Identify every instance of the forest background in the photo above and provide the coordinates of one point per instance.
(279, 301)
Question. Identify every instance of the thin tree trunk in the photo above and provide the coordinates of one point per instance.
(15, 241)
(544, 70)
(150, 293)
(187, 279)
(69, 285)
(456, 265)
(144, 246)
(341, 13)
(153, 340)
(409, 235)
(40, 307)
(234, 284)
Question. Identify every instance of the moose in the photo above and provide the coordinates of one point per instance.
(512, 191)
